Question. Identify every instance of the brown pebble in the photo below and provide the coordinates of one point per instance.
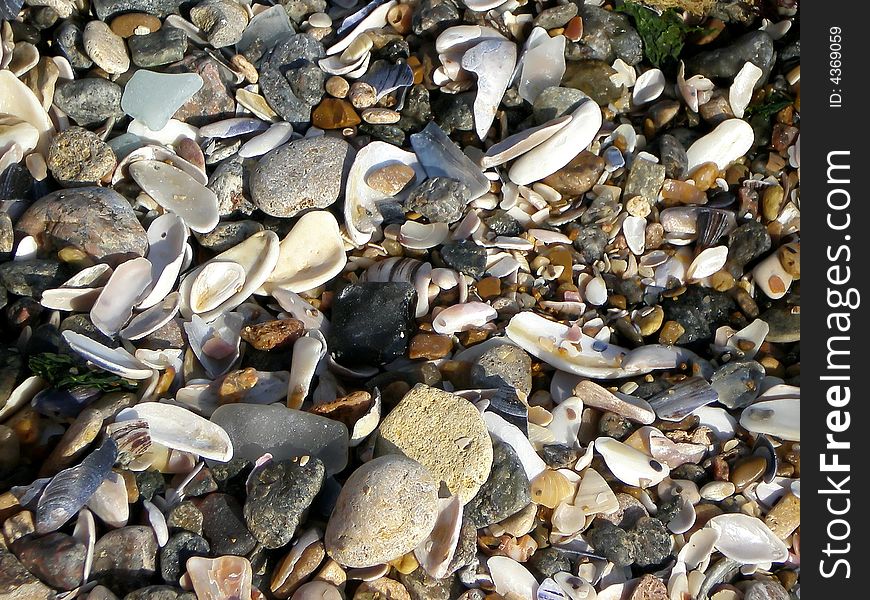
(705, 176)
(132, 24)
(291, 574)
(430, 346)
(391, 179)
(380, 116)
(381, 589)
(785, 517)
(18, 526)
(333, 113)
(790, 259)
(273, 334)
(747, 471)
(236, 384)
(722, 281)
(362, 95)
(337, 87)
(190, 151)
(771, 202)
(489, 287)
(671, 332)
(399, 17)
(347, 409)
(652, 321)
(720, 468)
(244, 66)
(574, 29)
(578, 176)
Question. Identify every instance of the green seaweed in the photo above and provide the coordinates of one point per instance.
(663, 35)
(62, 372)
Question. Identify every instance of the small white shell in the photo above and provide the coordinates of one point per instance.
(420, 236)
(511, 579)
(114, 360)
(629, 465)
(730, 140)
(215, 283)
(648, 87)
(167, 237)
(114, 306)
(177, 191)
(436, 551)
(747, 539)
(780, 418)
(594, 495)
(740, 92)
(709, 261)
(460, 317)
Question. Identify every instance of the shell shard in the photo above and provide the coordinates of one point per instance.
(493, 61)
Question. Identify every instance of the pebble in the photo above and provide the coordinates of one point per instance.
(79, 157)
(133, 24)
(556, 16)
(385, 509)
(372, 322)
(337, 86)
(466, 257)
(766, 590)
(223, 525)
(578, 176)
(649, 587)
(69, 39)
(293, 91)
(17, 583)
(505, 492)
(380, 116)
(390, 179)
(174, 554)
(125, 558)
(593, 78)
(504, 366)
(211, 102)
(105, 48)
(304, 174)
(334, 113)
(222, 20)
(89, 101)
(430, 346)
(645, 178)
(57, 559)
(698, 312)
(724, 63)
(746, 243)
(610, 35)
(32, 277)
(555, 101)
(160, 592)
(160, 48)
(456, 448)
(277, 496)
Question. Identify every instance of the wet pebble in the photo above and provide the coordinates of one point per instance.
(224, 526)
(174, 554)
(57, 559)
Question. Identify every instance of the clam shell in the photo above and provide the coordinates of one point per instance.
(779, 418)
(178, 428)
(699, 547)
(177, 191)
(308, 351)
(730, 140)
(167, 237)
(630, 407)
(511, 579)
(648, 86)
(158, 522)
(461, 317)
(311, 255)
(215, 344)
(18, 100)
(629, 465)
(22, 394)
(740, 92)
(215, 284)
(153, 318)
(298, 308)
(493, 62)
(69, 490)
(361, 214)
(276, 135)
(114, 306)
(372, 19)
(109, 502)
(436, 551)
(565, 425)
(747, 539)
(707, 262)
(460, 38)
(550, 488)
(677, 402)
(162, 154)
(594, 496)
(420, 236)
(114, 360)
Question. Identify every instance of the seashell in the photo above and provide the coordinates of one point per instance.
(109, 502)
(684, 520)
(310, 255)
(730, 140)
(215, 284)
(170, 134)
(699, 547)
(69, 490)
(334, 65)
(223, 577)
(54, 402)
(114, 360)
(748, 340)
(373, 16)
(576, 588)
(132, 439)
(215, 344)
(560, 148)
(747, 539)
(436, 551)
(162, 154)
(697, 90)
(493, 62)
(204, 398)
(276, 135)
(648, 87)
(308, 351)
(511, 579)
(177, 191)
(85, 531)
(114, 306)
(167, 237)
(634, 230)
(550, 488)
(513, 437)
(550, 590)
(522, 142)
(630, 407)
(157, 521)
(770, 276)
(441, 157)
(178, 428)
(593, 495)
(153, 318)
(708, 261)
(22, 394)
(16, 131)
(19, 101)
(233, 127)
(565, 424)
(629, 465)
(740, 92)
(568, 518)
(460, 38)
(298, 308)
(461, 317)
(361, 213)
(420, 236)
(257, 256)
(737, 383)
(542, 65)
(482, 5)
(779, 418)
(387, 78)
(677, 402)
(712, 226)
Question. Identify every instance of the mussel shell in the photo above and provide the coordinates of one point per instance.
(677, 402)
(764, 447)
(54, 402)
(738, 383)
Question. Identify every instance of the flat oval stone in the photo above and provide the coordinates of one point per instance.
(175, 190)
(134, 24)
(105, 48)
(385, 509)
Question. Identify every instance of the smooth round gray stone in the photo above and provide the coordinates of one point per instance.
(385, 509)
(724, 63)
(90, 100)
(304, 174)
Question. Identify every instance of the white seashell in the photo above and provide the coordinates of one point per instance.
(511, 435)
(698, 549)
(770, 276)
(114, 360)
(511, 579)
(158, 522)
(630, 407)
(70, 299)
(374, 20)
(740, 92)
(462, 37)
(720, 422)
(594, 496)
(779, 418)
(436, 551)
(22, 394)
(575, 587)
(171, 134)
(493, 62)
(215, 344)
(367, 423)
(696, 91)
(152, 152)
(565, 425)
(18, 100)
(717, 490)
(542, 65)
(560, 148)
(16, 131)
(177, 191)
(335, 65)
(270, 139)
(257, 256)
(446, 279)
(634, 230)
(550, 590)
(114, 306)
(178, 428)
(460, 317)
(167, 237)
(523, 141)
(420, 236)
(752, 336)
(747, 539)
(85, 531)
(307, 353)
(568, 518)
(152, 319)
(595, 291)
(298, 308)
(310, 255)
(709, 261)
(730, 140)
(648, 87)
(361, 214)
(630, 465)
(482, 5)
(685, 517)
(109, 502)
(625, 74)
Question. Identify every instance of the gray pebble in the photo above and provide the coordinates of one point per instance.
(439, 199)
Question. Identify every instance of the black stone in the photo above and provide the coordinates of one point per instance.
(700, 311)
(174, 555)
(68, 36)
(590, 243)
(164, 46)
(612, 542)
(466, 257)
(614, 425)
(546, 562)
(158, 8)
(149, 483)
(372, 322)
(652, 542)
(501, 223)
(453, 112)
(224, 527)
(505, 491)
(724, 63)
(748, 242)
(278, 495)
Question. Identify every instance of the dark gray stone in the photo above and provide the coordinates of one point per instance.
(174, 555)
(590, 243)
(68, 36)
(278, 495)
(748, 242)
(652, 542)
(785, 324)
(610, 35)
(57, 559)
(454, 112)
(645, 178)
(125, 558)
(557, 16)
(164, 46)
(158, 8)
(185, 516)
(673, 157)
(555, 102)
(224, 526)
(700, 311)
(612, 542)
(439, 199)
(290, 80)
(466, 257)
(226, 235)
(546, 562)
(724, 63)
(593, 78)
(32, 277)
(90, 100)
(433, 16)
(505, 492)
(501, 223)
